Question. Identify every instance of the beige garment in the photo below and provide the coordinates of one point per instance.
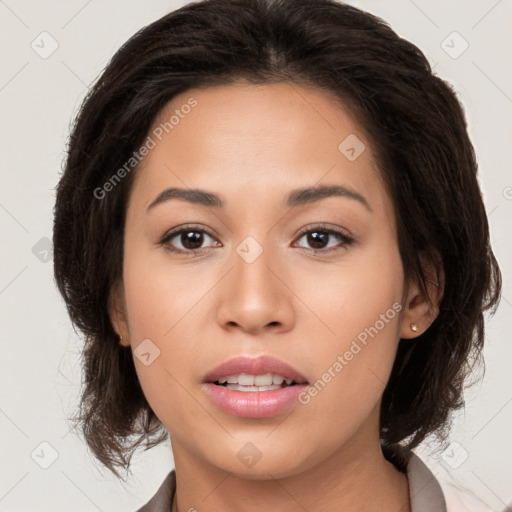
(424, 490)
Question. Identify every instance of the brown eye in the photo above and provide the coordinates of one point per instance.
(186, 240)
(191, 240)
(318, 239)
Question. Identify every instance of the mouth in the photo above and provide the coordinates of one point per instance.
(247, 382)
(250, 387)
(254, 372)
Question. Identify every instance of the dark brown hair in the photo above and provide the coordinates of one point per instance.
(418, 132)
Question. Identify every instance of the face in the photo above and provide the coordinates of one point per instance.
(307, 286)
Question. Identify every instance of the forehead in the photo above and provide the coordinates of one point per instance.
(241, 138)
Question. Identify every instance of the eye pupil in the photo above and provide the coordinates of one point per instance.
(191, 237)
(313, 239)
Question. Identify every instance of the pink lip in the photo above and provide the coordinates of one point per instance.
(254, 404)
(254, 366)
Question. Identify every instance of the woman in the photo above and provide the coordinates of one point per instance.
(270, 231)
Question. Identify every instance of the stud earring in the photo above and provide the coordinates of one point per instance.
(414, 327)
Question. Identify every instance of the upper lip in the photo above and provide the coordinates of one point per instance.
(254, 366)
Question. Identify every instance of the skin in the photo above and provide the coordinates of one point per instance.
(252, 144)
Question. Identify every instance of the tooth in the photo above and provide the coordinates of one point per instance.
(237, 387)
(255, 381)
(246, 380)
(263, 380)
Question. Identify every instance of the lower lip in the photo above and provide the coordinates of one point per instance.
(254, 404)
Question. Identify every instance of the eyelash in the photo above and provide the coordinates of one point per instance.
(346, 240)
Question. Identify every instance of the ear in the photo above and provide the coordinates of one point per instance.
(421, 304)
(117, 313)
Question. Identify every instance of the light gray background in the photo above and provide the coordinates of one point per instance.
(40, 373)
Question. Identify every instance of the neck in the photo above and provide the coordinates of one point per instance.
(355, 477)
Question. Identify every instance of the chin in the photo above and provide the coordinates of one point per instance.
(266, 462)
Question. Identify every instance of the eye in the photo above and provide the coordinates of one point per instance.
(190, 238)
(320, 236)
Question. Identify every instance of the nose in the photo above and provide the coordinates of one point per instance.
(255, 296)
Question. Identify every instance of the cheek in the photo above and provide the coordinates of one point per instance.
(351, 295)
(159, 294)
(160, 304)
(362, 308)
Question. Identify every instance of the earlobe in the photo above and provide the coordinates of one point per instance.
(422, 301)
(117, 314)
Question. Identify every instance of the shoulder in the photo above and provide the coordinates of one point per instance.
(162, 499)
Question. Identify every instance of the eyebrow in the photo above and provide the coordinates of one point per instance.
(295, 198)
